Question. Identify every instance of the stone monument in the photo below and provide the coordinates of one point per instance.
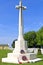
(20, 54)
(20, 43)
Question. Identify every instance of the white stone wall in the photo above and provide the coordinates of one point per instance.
(35, 50)
(30, 50)
(42, 50)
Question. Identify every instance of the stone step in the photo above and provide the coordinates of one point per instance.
(10, 60)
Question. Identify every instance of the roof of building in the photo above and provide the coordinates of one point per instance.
(4, 45)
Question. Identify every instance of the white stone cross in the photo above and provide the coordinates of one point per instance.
(20, 43)
(20, 7)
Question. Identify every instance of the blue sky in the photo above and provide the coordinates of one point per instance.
(32, 18)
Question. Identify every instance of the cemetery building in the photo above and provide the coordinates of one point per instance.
(4, 46)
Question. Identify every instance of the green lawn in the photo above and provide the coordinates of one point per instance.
(3, 53)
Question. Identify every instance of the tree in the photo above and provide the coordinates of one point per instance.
(13, 43)
(40, 37)
(30, 37)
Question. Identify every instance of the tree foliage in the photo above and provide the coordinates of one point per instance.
(40, 37)
(13, 43)
(30, 37)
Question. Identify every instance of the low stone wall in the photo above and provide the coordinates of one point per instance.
(35, 50)
(29, 50)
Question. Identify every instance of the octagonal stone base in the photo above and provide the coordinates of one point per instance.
(17, 58)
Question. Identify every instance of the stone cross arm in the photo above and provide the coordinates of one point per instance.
(18, 7)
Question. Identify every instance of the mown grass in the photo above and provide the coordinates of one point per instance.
(3, 53)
